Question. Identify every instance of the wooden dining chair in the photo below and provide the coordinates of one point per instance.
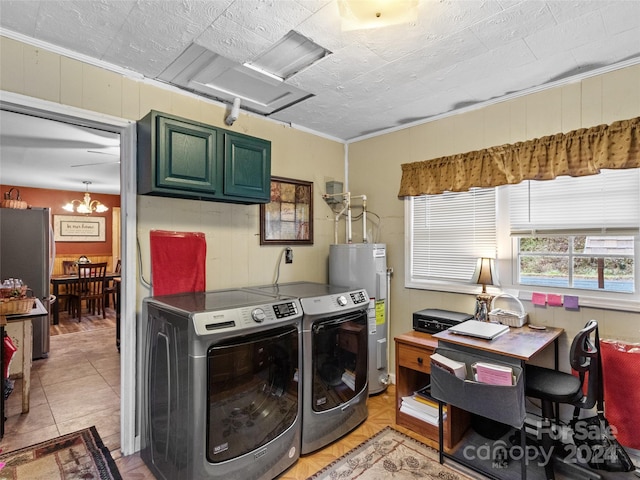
(89, 287)
(68, 268)
(110, 288)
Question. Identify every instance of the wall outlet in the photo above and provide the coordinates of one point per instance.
(288, 255)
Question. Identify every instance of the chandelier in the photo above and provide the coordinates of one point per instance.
(87, 205)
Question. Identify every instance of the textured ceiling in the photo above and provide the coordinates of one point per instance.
(453, 55)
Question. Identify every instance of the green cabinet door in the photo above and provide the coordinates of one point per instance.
(186, 156)
(247, 167)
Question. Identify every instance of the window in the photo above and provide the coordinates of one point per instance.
(559, 236)
(446, 234)
(577, 232)
(577, 261)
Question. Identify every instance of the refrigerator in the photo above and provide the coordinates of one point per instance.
(26, 252)
(364, 265)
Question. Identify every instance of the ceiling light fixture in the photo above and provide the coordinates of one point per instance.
(87, 205)
(360, 14)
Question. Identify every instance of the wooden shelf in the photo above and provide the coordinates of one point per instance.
(413, 371)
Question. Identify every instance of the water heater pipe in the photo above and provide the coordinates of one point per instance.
(388, 320)
(347, 207)
(348, 230)
(335, 225)
(364, 217)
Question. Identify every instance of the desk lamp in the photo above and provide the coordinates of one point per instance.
(484, 275)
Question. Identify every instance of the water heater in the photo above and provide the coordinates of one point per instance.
(364, 265)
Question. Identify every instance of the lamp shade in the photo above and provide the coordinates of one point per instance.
(485, 273)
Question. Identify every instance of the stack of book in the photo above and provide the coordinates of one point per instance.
(493, 374)
(459, 369)
(422, 406)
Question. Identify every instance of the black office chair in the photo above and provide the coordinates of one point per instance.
(555, 387)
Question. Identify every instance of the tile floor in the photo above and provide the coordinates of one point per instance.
(76, 387)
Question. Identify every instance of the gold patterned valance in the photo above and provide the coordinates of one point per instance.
(577, 153)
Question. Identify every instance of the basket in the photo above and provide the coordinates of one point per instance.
(508, 317)
(17, 203)
(14, 306)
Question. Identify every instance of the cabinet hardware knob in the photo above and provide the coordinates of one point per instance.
(420, 360)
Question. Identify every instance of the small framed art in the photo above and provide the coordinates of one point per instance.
(78, 228)
(288, 218)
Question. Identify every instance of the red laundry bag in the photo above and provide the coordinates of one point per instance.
(178, 262)
(621, 381)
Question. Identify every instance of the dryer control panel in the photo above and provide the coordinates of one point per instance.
(333, 303)
(359, 297)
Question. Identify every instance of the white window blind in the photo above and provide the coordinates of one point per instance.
(607, 203)
(449, 232)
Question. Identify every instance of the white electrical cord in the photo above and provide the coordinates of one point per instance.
(277, 273)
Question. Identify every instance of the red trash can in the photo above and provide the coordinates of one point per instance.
(621, 382)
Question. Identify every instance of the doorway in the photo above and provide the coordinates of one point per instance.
(126, 130)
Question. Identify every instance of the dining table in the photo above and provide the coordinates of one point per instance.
(66, 280)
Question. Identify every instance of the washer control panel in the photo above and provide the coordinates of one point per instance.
(284, 310)
(258, 315)
(218, 321)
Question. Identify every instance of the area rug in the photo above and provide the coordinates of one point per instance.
(389, 454)
(76, 456)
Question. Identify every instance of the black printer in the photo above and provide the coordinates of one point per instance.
(433, 320)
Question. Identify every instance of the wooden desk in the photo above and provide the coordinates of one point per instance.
(413, 368)
(522, 343)
(57, 280)
(517, 346)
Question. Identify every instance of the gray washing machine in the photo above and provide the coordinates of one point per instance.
(335, 358)
(222, 390)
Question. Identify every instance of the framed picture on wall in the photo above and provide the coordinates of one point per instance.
(288, 218)
(78, 228)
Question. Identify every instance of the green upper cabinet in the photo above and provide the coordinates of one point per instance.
(247, 167)
(182, 158)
